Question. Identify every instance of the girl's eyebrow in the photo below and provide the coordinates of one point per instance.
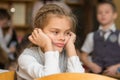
(54, 29)
(59, 29)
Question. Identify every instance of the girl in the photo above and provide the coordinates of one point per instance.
(54, 50)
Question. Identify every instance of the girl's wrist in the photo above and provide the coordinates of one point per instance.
(48, 47)
(71, 50)
(70, 45)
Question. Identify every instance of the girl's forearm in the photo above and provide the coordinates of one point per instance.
(71, 50)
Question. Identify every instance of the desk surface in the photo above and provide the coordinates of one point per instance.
(7, 75)
(76, 76)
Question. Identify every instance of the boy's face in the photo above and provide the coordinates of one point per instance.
(105, 14)
(3, 22)
(58, 30)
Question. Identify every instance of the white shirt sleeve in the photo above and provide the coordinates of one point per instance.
(31, 66)
(88, 44)
(74, 65)
(3, 44)
(119, 39)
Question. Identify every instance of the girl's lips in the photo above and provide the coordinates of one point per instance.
(60, 45)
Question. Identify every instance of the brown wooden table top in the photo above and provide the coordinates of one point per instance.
(7, 75)
(76, 76)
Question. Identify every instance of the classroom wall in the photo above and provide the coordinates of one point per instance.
(117, 3)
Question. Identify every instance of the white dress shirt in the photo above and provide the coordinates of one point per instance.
(4, 41)
(33, 63)
(89, 44)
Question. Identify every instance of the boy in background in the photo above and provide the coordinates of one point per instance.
(104, 44)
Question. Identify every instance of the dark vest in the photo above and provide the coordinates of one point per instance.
(106, 52)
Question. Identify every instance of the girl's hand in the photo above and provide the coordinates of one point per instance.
(70, 48)
(71, 40)
(41, 39)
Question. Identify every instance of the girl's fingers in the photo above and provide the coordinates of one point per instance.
(33, 36)
(73, 36)
(39, 30)
(42, 34)
(35, 33)
(31, 39)
(38, 37)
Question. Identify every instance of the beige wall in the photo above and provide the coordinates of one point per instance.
(117, 3)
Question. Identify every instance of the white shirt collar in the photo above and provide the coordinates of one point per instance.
(112, 27)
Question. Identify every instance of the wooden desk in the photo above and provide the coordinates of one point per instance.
(7, 75)
(76, 76)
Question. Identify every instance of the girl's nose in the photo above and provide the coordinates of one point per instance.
(62, 37)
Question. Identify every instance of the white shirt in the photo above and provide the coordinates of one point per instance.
(89, 44)
(33, 63)
(4, 41)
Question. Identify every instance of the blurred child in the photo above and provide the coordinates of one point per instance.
(104, 44)
(8, 39)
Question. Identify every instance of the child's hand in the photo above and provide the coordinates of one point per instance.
(42, 40)
(95, 68)
(71, 40)
(111, 71)
(70, 48)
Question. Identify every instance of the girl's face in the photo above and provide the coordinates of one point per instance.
(58, 30)
(105, 14)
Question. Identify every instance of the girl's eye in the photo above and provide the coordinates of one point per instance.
(68, 33)
(54, 32)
